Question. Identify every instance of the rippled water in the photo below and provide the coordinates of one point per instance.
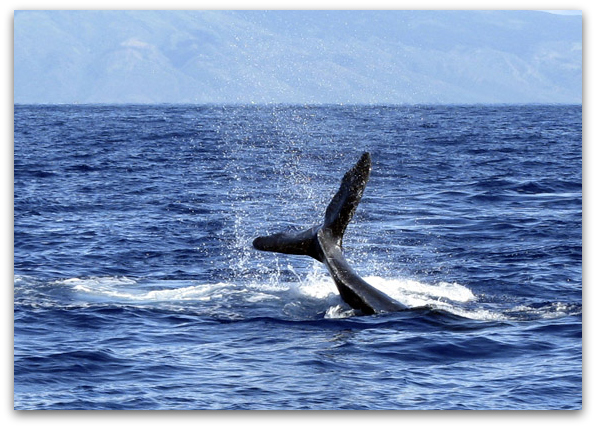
(136, 286)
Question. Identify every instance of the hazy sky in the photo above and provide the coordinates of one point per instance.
(297, 57)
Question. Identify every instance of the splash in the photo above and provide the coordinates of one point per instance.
(453, 298)
(127, 289)
(547, 310)
(415, 294)
(306, 296)
(301, 297)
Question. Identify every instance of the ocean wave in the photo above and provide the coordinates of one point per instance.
(313, 296)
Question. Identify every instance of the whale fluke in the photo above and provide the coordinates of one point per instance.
(343, 205)
(337, 216)
(299, 243)
(324, 243)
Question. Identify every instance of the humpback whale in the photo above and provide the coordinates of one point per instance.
(324, 243)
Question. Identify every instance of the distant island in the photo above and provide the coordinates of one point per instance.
(301, 57)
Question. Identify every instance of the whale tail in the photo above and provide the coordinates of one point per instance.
(337, 216)
(324, 243)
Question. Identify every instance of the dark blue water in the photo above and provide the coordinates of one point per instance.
(136, 286)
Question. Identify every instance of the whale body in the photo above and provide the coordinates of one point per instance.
(324, 243)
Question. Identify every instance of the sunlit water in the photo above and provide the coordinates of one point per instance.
(136, 286)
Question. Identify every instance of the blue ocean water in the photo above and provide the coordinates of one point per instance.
(136, 286)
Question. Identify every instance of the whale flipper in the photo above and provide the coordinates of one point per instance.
(324, 243)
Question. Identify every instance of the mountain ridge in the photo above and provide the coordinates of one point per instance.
(304, 57)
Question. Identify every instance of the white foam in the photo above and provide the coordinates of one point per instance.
(318, 289)
(315, 291)
(339, 311)
(202, 292)
(108, 286)
(123, 288)
(551, 310)
(317, 284)
(445, 296)
(98, 281)
(414, 293)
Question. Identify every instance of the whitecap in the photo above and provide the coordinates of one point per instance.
(414, 293)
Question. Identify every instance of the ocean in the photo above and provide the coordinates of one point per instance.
(136, 285)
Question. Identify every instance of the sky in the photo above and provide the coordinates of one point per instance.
(312, 57)
(564, 12)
